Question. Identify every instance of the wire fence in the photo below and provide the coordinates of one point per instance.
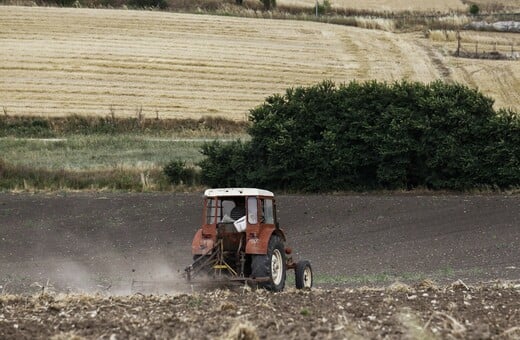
(497, 52)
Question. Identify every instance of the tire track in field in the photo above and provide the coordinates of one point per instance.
(497, 79)
(437, 60)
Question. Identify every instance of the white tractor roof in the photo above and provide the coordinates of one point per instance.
(221, 192)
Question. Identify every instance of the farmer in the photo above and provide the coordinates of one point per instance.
(239, 210)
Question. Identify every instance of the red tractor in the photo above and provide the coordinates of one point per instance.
(241, 240)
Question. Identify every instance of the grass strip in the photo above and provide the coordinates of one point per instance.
(97, 152)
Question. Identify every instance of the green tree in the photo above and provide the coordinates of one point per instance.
(474, 9)
(269, 4)
(324, 7)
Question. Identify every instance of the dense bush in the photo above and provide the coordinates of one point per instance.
(162, 4)
(372, 135)
(325, 7)
(25, 127)
(269, 4)
(474, 9)
(227, 164)
(65, 3)
(178, 173)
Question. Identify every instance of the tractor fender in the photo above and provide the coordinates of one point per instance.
(201, 245)
(259, 244)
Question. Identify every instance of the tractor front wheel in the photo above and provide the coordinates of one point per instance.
(271, 265)
(303, 275)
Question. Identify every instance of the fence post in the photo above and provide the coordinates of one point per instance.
(458, 43)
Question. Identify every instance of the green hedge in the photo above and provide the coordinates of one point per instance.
(47, 127)
(372, 135)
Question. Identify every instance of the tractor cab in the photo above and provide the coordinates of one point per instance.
(241, 240)
(237, 215)
(233, 204)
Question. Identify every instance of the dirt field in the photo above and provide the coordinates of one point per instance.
(61, 61)
(399, 312)
(99, 243)
(91, 242)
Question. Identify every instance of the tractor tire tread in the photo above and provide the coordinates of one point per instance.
(299, 273)
(261, 264)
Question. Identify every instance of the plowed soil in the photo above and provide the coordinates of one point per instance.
(398, 312)
(98, 243)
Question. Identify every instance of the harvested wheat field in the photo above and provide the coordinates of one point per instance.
(499, 79)
(442, 6)
(497, 5)
(57, 61)
(83, 61)
(386, 5)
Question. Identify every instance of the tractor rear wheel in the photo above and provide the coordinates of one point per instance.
(303, 275)
(271, 265)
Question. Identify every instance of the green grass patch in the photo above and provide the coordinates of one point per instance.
(134, 162)
(447, 273)
(305, 312)
(97, 162)
(98, 152)
(354, 279)
(21, 177)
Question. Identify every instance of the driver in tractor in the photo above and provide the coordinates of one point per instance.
(239, 210)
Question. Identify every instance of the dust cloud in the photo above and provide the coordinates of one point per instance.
(110, 274)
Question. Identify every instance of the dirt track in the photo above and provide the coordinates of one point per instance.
(97, 241)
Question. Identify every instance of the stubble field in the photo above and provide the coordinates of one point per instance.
(387, 5)
(442, 6)
(57, 61)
